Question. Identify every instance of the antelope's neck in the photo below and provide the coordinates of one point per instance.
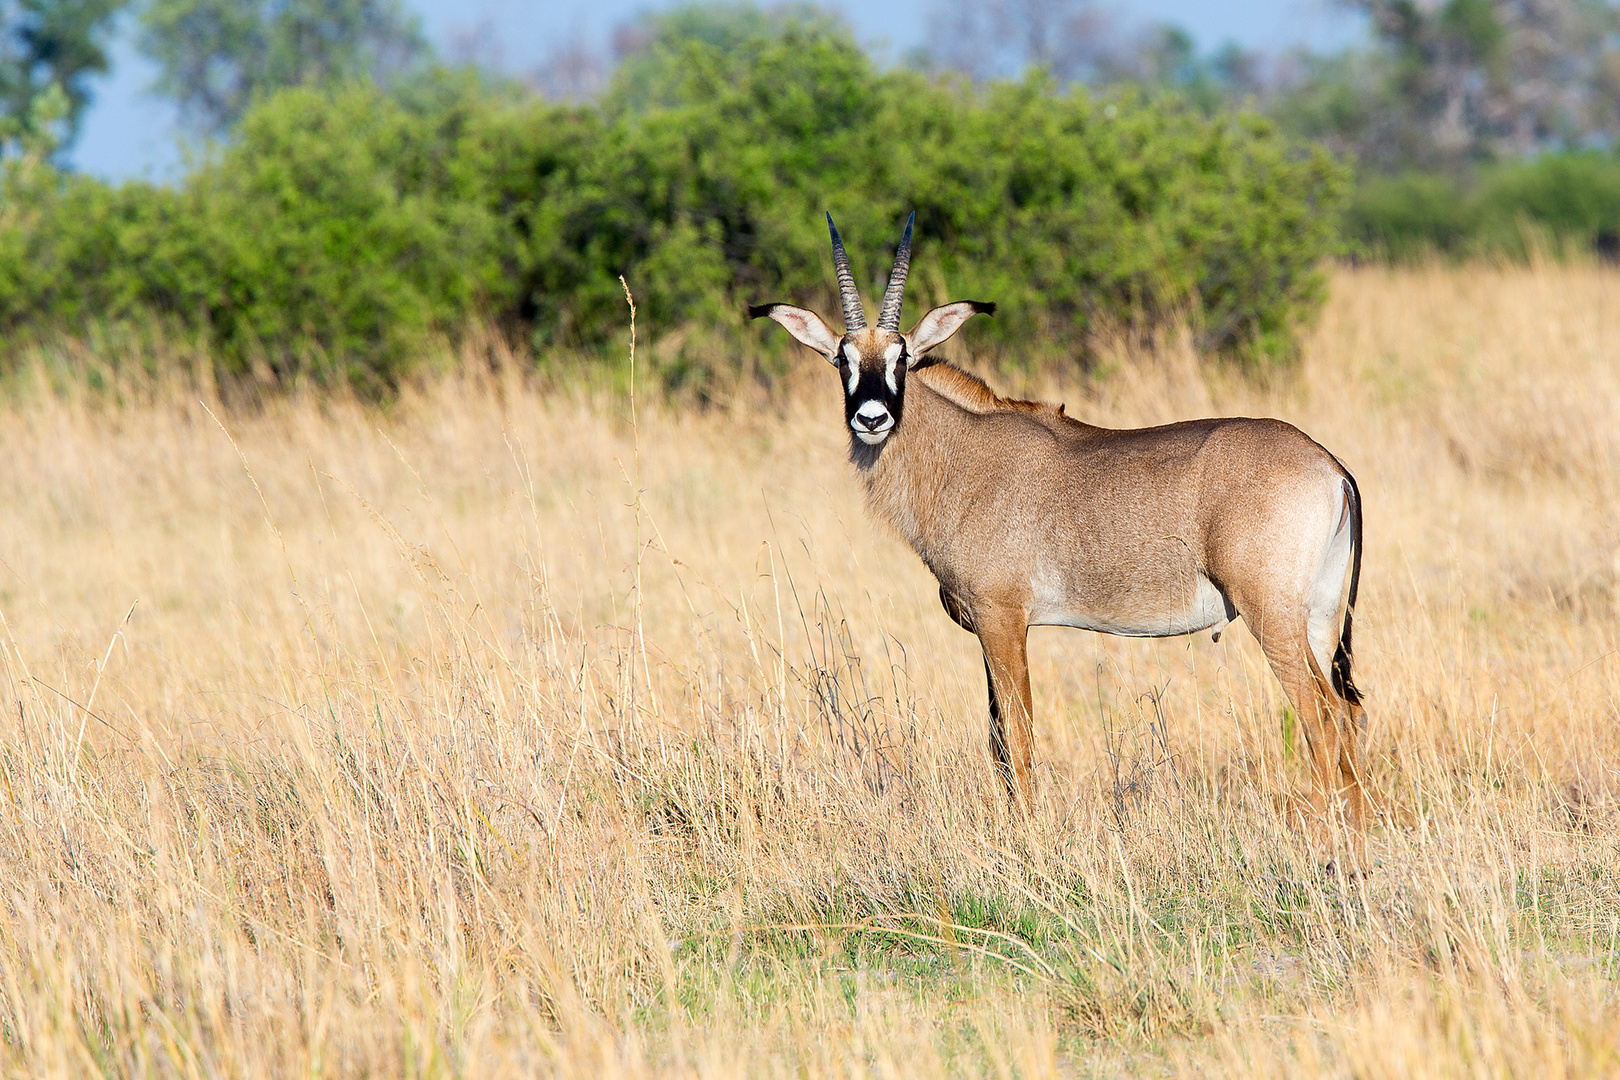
(907, 477)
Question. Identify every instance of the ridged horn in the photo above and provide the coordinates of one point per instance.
(854, 314)
(889, 316)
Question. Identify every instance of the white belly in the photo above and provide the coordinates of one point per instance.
(1148, 613)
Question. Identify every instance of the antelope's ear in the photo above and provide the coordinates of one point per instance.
(804, 325)
(936, 327)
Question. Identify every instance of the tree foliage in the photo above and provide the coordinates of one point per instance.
(1480, 80)
(216, 57)
(49, 51)
(1079, 41)
(1439, 85)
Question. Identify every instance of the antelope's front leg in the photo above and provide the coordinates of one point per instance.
(1006, 663)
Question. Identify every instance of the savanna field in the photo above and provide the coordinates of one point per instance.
(414, 741)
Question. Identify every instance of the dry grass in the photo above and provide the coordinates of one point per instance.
(425, 751)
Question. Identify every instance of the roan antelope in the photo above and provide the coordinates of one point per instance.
(1030, 518)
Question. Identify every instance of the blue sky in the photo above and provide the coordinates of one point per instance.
(129, 133)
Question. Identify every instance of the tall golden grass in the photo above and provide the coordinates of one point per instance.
(495, 735)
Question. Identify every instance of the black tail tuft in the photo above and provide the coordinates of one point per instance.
(1342, 683)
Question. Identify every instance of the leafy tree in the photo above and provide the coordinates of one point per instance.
(49, 51)
(1073, 40)
(1456, 83)
(1076, 41)
(216, 57)
(651, 50)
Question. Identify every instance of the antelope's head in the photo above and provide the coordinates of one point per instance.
(872, 361)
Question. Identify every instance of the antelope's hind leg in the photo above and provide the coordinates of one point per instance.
(1327, 633)
(1331, 728)
(1303, 639)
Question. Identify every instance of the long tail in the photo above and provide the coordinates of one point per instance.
(1342, 682)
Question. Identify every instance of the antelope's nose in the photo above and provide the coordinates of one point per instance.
(871, 416)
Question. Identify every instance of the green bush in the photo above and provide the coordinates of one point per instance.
(74, 251)
(1563, 203)
(346, 227)
(1571, 199)
(1408, 216)
(1060, 206)
(341, 233)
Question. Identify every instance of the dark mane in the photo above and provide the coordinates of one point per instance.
(974, 394)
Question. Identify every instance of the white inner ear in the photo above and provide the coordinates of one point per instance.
(936, 327)
(808, 328)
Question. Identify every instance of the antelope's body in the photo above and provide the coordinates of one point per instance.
(1030, 518)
